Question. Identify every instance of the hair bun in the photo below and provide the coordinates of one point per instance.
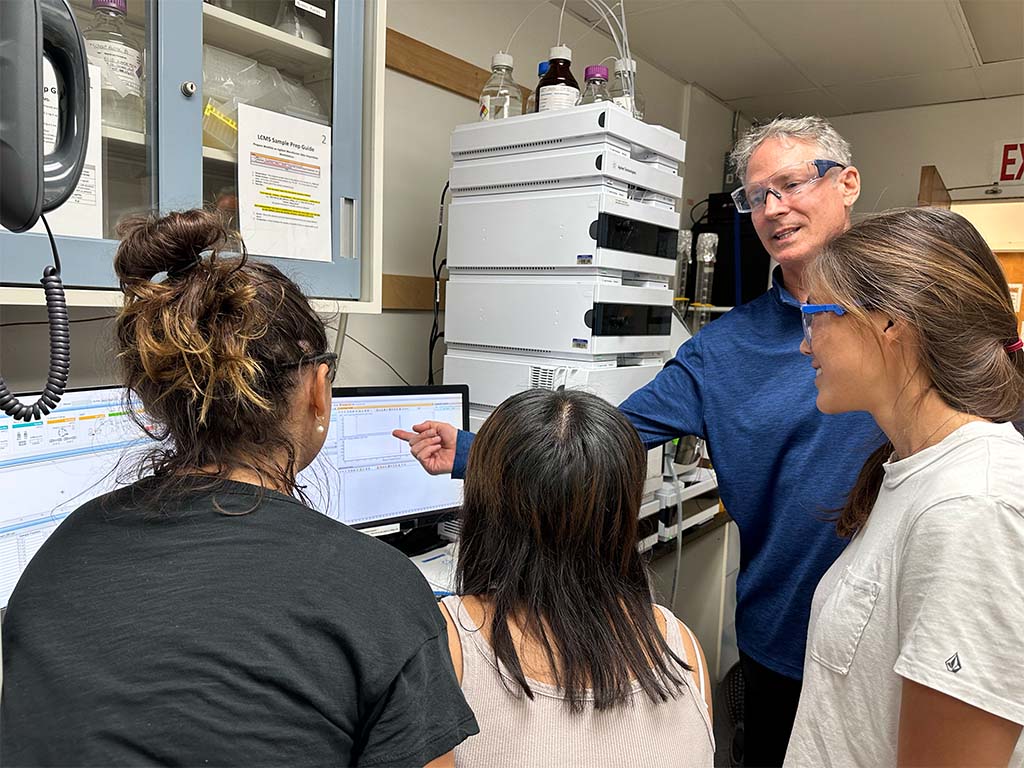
(152, 244)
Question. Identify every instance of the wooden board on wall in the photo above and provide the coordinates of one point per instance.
(410, 292)
(432, 65)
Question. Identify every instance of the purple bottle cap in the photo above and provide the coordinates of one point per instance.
(595, 70)
(118, 6)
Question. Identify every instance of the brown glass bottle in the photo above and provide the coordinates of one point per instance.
(558, 89)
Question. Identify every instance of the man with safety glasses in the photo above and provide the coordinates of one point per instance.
(743, 385)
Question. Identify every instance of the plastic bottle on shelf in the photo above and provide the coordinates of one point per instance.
(596, 88)
(119, 57)
(558, 89)
(501, 97)
(624, 91)
(531, 100)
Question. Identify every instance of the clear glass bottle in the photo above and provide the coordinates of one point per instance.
(531, 100)
(501, 97)
(626, 97)
(119, 56)
(596, 88)
(558, 88)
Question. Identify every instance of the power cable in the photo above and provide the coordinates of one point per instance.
(389, 365)
(435, 332)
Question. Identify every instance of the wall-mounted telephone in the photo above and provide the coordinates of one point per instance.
(32, 183)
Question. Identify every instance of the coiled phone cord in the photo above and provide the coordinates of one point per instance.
(60, 347)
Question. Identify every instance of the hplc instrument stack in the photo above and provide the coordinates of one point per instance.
(562, 238)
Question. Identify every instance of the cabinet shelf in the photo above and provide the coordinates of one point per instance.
(220, 155)
(242, 35)
(129, 140)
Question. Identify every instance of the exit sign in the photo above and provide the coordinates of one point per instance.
(1010, 162)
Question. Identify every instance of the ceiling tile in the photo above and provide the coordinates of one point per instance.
(850, 41)
(812, 102)
(706, 43)
(933, 88)
(1003, 79)
(997, 27)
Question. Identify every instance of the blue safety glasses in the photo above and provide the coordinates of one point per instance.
(809, 311)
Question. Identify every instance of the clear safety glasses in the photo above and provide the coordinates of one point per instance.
(809, 311)
(785, 183)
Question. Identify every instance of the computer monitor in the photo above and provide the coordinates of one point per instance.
(364, 477)
(51, 466)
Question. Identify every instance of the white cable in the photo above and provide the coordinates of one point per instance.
(611, 28)
(561, 13)
(632, 62)
(621, 42)
(590, 29)
(516, 32)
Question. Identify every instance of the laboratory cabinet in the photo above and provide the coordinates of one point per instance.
(267, 111)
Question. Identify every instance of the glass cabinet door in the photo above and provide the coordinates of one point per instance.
(115, 39)
(172, 81)
(281, 160)
(118, 177)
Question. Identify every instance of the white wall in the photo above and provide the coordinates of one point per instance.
(1001, 224)
(959, 139)
(708, 133)
(24, 350)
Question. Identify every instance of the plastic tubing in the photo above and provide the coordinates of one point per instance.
(516, 31)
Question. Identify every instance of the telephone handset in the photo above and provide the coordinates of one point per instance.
(32, 183)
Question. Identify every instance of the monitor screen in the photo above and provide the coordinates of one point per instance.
(365, 477)
(362, 477)
(50, 467)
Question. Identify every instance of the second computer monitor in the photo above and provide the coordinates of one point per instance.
(366, 477)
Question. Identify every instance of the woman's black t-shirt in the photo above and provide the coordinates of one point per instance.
(193, 634)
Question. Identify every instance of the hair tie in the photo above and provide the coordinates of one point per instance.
(1015, 346)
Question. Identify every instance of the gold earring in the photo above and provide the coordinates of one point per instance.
(320, 425)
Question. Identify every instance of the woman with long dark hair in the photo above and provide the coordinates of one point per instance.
(205, 615)
(560, 651)
(914, 646)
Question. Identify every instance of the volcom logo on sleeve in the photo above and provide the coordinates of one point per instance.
(953, 663)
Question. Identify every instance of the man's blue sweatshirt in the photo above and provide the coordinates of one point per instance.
(742, 384)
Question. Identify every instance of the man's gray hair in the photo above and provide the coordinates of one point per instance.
(816, 129)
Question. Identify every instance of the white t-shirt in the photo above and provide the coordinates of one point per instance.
(931, 589)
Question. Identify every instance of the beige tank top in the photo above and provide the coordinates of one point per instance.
(544, 732)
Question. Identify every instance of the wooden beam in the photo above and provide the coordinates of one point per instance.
(432, 65)
(409, 292)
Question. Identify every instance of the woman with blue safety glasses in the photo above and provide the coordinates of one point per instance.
(809, 311)
(913, 651)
